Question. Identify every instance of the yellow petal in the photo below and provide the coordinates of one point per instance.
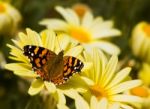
(48, 38)
(87, 20)
(50, 87)
(62, 42)
(70, 16)
(62, 106)
(102, 104)
(119, 77)
(36, 86)
(93, 103)
(74, 51)
(18, 53)
(80, 103)
(110, 70)
(33, 37)
(126, 98)
(61, 97)
(55, 24)
(104, 46)
(125, 86)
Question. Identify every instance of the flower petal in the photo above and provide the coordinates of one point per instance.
(55, 24)
(125, 86)
(126, 98)
(80, 103)
(125, 106)
(104, 30)
(74, 51)
(102, 104)
(115, 106)
(103, 45)
(15, 52)
(33, 37)
(62, 106)
(50, 87)
(110, 70)
(61, 97)
(21, 69)
(48, 39)
(36, 86)
(62, 42)
(119, 77)
(93, 103)
(69, 15)
(99, 64)
(87, 20)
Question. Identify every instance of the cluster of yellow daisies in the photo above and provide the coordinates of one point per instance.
(101, 84)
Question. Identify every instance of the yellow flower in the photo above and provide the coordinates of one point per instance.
(141, 41)
(23, 68)
(144, 74)
(10, 18)
(104, 82)
(144, 92)
(87, 30)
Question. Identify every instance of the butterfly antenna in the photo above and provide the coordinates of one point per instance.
(58, 42)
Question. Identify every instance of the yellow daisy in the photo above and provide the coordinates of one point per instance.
(144, 74)
(22, 67)
(140, 41)
(10, 18)
(104, 82)
(87, 30)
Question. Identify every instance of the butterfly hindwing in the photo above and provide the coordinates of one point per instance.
(71, 65)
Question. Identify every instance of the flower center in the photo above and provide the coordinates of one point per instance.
(98, 91)
(146, 29)
(80, 34)
(140, 91)
(2, 8)
(81, 9)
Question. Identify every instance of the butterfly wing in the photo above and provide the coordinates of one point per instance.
(71, 65)
(39, 57)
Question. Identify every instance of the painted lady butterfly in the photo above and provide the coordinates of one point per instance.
(52, 67)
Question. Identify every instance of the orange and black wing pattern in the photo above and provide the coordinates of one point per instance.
(39, 57)
(72, 65)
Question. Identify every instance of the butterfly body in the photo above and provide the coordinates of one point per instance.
(51, 67)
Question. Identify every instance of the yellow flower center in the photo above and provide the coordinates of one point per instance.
(98, 91)
(81, 9)
(146, 29)
(2, 8)
(80, 34)
(140, 91)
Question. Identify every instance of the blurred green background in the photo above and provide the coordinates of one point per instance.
(125, 13)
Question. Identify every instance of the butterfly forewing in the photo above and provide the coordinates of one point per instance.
(38, 55)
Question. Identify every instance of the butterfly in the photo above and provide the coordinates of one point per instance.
(50, 66)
